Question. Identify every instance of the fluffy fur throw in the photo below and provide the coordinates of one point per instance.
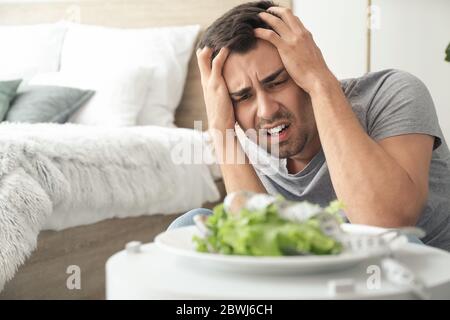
(52, 172)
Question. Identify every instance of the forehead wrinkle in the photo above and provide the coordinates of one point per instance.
(243, 69)
(268, 78)
(241, 89)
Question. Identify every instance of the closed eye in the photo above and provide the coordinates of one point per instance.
(242, 98)
(276, 84)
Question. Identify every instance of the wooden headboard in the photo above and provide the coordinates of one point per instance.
(131, 14)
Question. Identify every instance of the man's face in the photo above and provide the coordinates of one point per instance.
(266, 99)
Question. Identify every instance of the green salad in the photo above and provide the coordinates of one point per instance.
(264, 232)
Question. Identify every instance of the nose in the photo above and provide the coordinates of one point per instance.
(267, 106)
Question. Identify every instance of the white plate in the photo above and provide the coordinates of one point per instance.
(179, 242)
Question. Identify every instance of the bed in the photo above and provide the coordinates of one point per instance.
(45, 273)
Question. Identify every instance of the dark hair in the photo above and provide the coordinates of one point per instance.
(234, 29)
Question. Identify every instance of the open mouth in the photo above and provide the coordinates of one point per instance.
(278, 133)
(278, 130)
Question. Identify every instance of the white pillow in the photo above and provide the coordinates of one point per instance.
(118, 99)
(32, 49)
(95, 49)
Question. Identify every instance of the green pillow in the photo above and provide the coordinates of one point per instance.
(47, 104)
(8, 90)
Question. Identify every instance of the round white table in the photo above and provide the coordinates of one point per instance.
(148, 272)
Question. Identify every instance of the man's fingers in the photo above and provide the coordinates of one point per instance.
(276, 23)
(268, 35)
(204, 62)
(288, 17)
(219, 61)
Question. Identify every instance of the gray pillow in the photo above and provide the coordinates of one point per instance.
(47, 104)
(7, 92)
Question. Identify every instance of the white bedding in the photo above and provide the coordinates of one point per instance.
(55, 176)
(186, 185)
(114, 179)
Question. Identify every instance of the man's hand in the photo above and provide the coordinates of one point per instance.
(220, 112)
(298, 51)
(219, 107)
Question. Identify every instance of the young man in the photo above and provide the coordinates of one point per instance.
(373, 142)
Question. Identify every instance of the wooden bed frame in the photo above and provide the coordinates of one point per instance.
(44, 275)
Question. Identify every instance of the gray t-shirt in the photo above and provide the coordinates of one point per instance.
(387, 103)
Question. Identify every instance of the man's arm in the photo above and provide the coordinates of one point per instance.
(238, 173)
(385, 183)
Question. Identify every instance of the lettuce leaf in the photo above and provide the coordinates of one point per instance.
(265, 233)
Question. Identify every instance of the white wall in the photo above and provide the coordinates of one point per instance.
(339, 28)
(409, 34)
(413, 35)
